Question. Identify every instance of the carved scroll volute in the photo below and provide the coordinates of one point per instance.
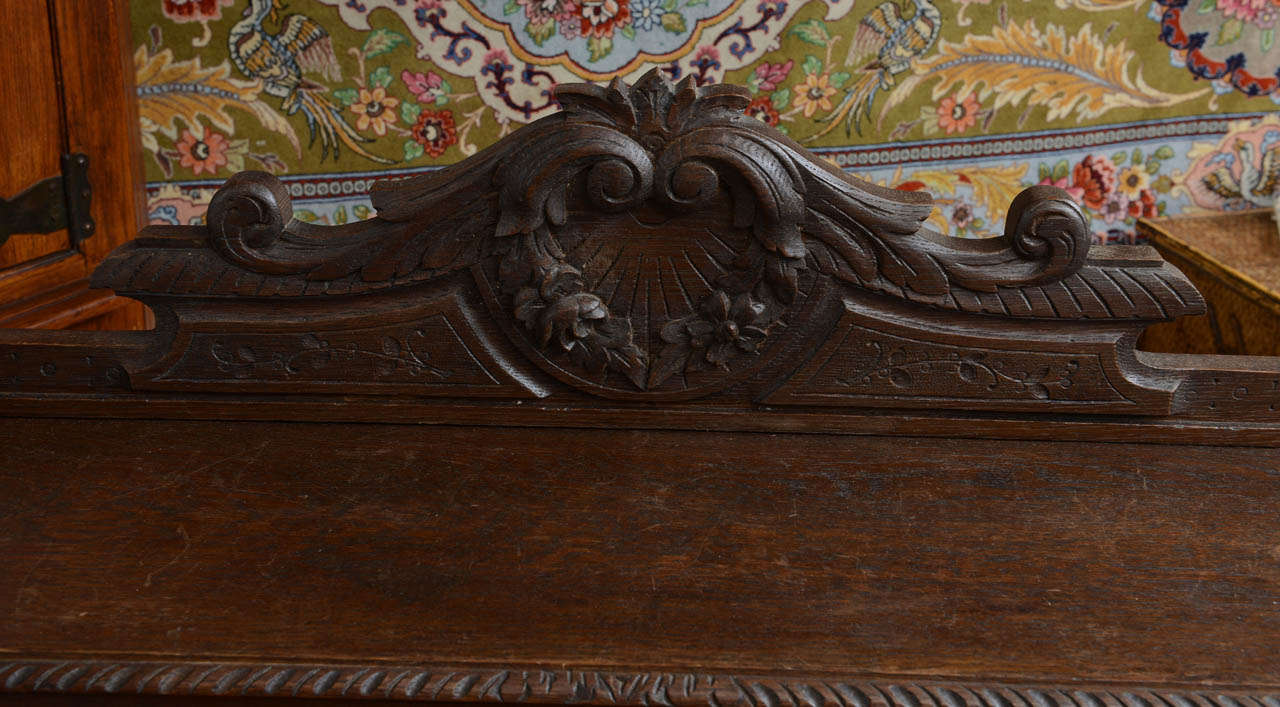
(1050, 233)
(246, 217)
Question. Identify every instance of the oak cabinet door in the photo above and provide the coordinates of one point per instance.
(67, 84)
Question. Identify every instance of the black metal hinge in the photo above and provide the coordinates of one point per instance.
(52, 204)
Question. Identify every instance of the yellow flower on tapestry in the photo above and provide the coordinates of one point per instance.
(376, 110)
(1132, 180)
(814, 94)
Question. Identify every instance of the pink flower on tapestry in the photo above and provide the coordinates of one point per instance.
(427, 88)
(769, 76)
(569, 23)
(1076, 192)
(1259, 12)
(543, 11)
(1096, 178)
(1114, 208)
(708, 53)
(497, 56)
(194, 10)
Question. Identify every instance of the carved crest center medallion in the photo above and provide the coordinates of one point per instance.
(645, 301)
(641, 268)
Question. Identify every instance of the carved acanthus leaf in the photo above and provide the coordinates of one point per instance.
(674, 147)
(683, 155)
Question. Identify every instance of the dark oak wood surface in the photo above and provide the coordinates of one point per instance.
(644, 405)
(590, 549)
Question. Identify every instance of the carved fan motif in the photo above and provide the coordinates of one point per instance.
(666, 301)
(657, 253)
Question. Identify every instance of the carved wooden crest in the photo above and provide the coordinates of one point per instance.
(652, 241)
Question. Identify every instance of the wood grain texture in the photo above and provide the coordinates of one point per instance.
(70, 62)
(807, 553)
(30, 122)
(73, 305)
(101, 113)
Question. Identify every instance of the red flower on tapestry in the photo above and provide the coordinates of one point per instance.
(958, 115)
(194, 10)
(761, 108)
(600, 17)
(205, 154)
(1144, 206)
(435, 131)
(1096, 178)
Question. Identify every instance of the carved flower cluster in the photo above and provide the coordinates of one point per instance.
(550, 300)
(557, 308)
(722, 329)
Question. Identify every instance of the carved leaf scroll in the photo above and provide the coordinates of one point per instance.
(685, 160)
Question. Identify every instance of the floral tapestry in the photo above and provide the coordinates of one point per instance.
(1135, 107)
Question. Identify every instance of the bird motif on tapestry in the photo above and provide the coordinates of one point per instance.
(890, 40)
(279, 60)
(1256, 185)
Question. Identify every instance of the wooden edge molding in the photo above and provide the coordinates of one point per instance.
(547, 685)
(1156, 233)
(62, 307)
